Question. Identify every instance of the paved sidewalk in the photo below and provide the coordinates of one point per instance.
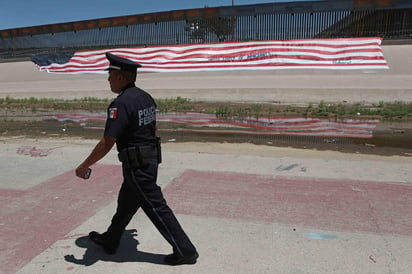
(248, 208)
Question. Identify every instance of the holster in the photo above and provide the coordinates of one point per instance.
(159, 149)
(139, 156)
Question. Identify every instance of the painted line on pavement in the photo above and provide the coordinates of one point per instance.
(32, 220)
(337, 205)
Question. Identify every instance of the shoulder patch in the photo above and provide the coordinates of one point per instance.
(112, 113)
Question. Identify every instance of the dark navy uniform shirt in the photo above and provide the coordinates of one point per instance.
(131, 118)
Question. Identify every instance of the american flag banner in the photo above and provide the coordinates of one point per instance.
(341, 53)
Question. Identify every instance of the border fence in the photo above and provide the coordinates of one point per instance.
(389, 19)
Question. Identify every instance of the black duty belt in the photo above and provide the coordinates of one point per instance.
(135, 157)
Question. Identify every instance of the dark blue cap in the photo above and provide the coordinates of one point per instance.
(120, 63)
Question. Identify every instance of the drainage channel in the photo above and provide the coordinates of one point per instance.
(370, 136)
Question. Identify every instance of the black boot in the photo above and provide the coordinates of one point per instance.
(176, 259)
(99, 239)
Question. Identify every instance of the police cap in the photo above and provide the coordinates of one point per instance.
(120, 63)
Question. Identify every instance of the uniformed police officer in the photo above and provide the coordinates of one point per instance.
(131, 124)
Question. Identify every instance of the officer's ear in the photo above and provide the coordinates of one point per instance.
(122, 76)
(119, 76)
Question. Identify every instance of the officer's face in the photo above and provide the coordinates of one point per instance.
(115, 80)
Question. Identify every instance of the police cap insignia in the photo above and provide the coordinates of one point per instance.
(120, 63)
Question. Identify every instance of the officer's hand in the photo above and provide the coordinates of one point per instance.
(81, 171)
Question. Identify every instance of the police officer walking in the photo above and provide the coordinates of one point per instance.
(131, 124)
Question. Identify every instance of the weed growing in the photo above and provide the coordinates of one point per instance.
(227, 110)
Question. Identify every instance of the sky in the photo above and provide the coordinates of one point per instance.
(27, 13)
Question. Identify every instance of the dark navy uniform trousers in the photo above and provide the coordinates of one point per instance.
(139, 190)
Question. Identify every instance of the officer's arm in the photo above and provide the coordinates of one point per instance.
(100, 150)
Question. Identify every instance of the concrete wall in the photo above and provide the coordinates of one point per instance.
(22, 79)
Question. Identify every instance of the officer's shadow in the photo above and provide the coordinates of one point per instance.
(127, 252)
